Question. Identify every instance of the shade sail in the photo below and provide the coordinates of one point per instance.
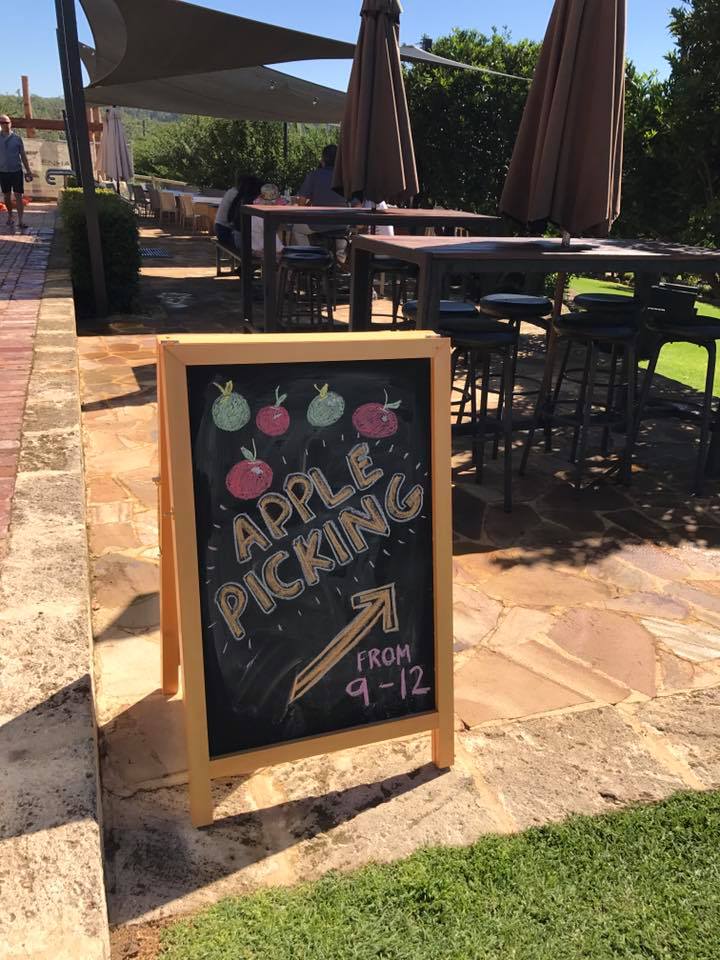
(151, 39)
(566, 166)
(251, 93)
(376, 158)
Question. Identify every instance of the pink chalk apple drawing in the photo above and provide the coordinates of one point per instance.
(274, 419)
(250, 477)
(376, 420)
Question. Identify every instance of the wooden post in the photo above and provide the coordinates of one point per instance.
(27, 104)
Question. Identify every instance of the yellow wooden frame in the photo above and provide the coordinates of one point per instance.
(180, 597)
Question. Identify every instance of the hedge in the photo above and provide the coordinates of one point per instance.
(120, 243)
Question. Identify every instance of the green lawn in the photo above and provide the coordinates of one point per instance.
(683, 362)
(642, 884)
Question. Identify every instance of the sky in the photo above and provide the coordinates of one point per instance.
(33, 50)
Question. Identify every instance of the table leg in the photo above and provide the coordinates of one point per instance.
(246, 266)
(269, 278)
(360, 291)
(429, 280)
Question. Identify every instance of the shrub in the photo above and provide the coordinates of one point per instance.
(121, 253)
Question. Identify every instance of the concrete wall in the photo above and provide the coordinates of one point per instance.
(52, 897)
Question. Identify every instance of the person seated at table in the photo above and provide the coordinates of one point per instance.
(227, 222)
(317, 191)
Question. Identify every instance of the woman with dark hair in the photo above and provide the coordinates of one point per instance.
(245, 190)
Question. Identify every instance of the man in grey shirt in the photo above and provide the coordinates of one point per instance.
(317, 191)
(12, 160)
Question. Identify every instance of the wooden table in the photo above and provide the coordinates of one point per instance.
(277, 215)
(438, 256)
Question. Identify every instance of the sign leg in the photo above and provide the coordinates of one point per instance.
(443, 745)
(169, 629)
(201, 805)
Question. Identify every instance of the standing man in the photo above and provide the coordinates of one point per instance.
(12, 161)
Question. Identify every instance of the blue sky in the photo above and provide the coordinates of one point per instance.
(32, 49)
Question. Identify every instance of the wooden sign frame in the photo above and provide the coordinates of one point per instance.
(181, 627)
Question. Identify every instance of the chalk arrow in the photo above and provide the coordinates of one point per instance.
(376, 604)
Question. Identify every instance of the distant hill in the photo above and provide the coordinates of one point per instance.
(138, 123)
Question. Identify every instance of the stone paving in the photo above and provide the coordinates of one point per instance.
(587, 640)
(23, 263)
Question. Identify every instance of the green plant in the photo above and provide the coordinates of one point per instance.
(121, 253)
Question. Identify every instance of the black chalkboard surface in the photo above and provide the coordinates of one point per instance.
(313, 517)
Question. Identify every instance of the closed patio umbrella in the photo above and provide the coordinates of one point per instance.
(376, 157)
(115, 160)
(566, 166)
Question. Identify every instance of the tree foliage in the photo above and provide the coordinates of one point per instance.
(693, 111)
(465, 122)
(211, 152)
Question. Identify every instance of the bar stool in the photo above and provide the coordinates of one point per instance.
(308, 268)
(329, 240)
(595, 333)
(672, 318)
(478, 339)
(613, 307)
(399, 272)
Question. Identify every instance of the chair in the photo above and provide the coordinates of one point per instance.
(141, 200)
(168, 206)
(304, 272)
(188, 214)
(154, 198)
(672, 318)
(594, 332)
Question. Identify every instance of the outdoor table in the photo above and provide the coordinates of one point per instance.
(210, 201)
(437, 256)
(276, 215)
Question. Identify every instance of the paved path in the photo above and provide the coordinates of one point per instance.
(587, 641)
(23, 264)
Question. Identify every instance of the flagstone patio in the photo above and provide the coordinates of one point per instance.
(587, 644)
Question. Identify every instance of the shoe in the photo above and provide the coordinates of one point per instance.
(10, 221)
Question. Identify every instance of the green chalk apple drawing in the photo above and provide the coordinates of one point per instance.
(326, 408)
(230, 411)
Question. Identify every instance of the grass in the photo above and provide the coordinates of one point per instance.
(683, 362)
(642, 884)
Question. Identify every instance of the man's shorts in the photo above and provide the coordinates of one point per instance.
(14, 182)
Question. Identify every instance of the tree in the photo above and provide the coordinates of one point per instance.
(650, 196)
(694, 118)
(465, 122)
(211, 152)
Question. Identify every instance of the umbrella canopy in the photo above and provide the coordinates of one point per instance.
(114, 159)
(376, 156)
(566, 166)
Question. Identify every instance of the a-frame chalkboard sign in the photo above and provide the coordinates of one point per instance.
(306, 545)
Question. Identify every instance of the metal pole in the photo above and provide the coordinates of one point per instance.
(285, 144)
(75, 101)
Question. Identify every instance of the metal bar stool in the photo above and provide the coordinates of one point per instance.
(477, 340)
(596, 333)
(304, 269)
(672, 318)
(400, 273)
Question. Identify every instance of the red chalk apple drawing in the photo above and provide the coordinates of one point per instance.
(230, 411)
(326, 408)
(250, 477)
(376, 420)
(274, 419)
